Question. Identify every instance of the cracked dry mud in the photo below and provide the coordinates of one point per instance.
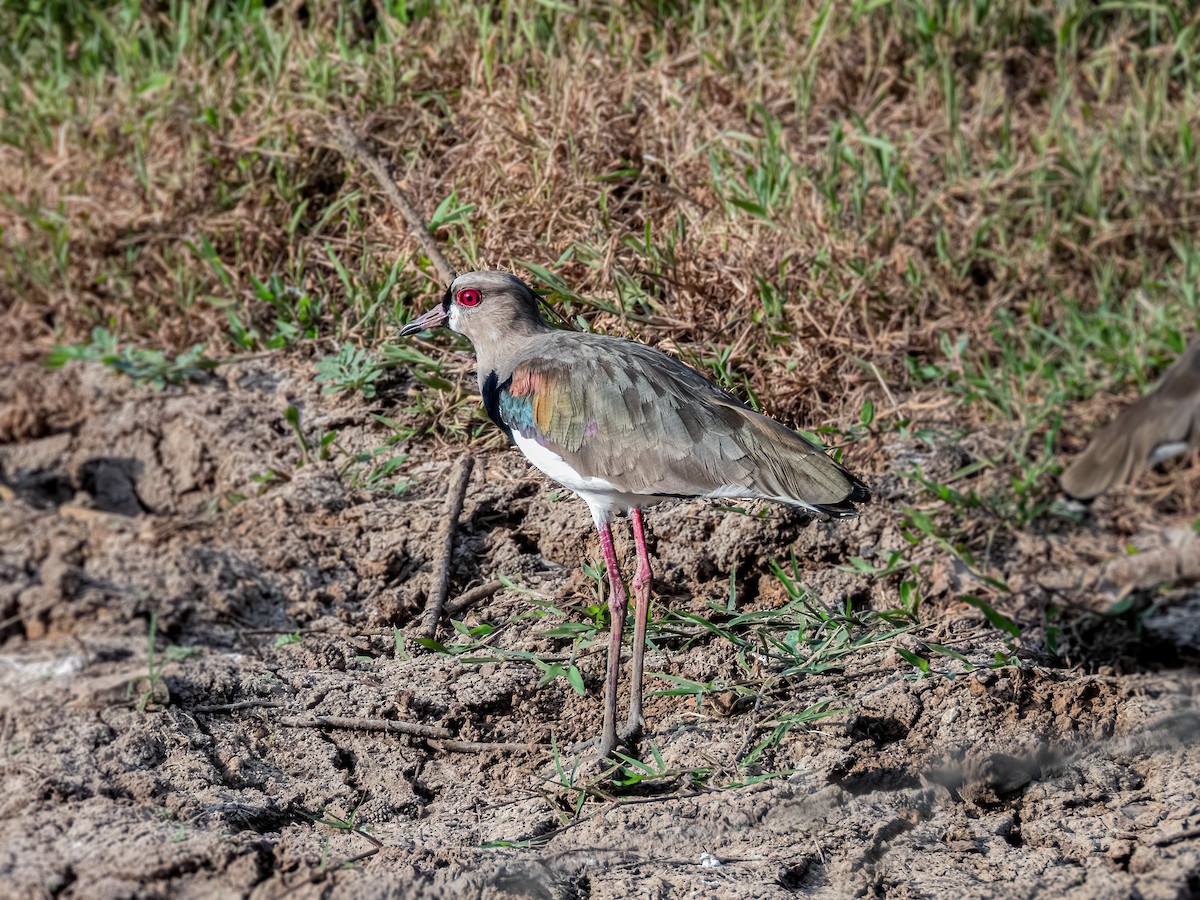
(118, 502)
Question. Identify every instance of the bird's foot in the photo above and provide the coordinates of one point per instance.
(632, 732)
(597, 754)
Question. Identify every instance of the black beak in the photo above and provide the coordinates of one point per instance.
(435, 318)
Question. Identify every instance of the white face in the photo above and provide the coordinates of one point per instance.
(455, 313)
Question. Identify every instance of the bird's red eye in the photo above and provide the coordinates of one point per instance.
(469, 297)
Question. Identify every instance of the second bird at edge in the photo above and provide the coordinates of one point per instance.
(626, 426)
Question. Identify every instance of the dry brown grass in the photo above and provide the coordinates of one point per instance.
(928, 180)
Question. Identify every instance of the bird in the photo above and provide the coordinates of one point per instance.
(626, 426)
(1163, 424)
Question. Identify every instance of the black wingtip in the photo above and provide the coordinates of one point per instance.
(859, 492)
(846, 509)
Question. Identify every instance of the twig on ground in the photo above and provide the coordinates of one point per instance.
(437, 738)
(25, 614)
(234, 707)
(1178, 563)
(440, 585)
(883, 384)
(353, 147)
(469, 598)
(356, 723)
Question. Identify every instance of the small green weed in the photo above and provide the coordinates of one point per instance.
(297, 316)
(152, 689)
(375, 470)
(323, 448)
(347, 824)
(350, 369)
(632, 772)
(782, 722)
(144, 366)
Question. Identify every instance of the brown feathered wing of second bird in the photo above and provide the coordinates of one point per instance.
(1163, 424)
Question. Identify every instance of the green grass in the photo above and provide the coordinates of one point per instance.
(776, 651)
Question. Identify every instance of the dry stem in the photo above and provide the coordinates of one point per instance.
(441, 577)
(353, 147)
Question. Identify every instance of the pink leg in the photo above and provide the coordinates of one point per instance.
(617, 605)
(641, 591)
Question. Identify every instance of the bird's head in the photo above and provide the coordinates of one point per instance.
(484, 307)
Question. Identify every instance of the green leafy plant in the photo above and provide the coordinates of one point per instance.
(778, 726)
(350, 369)
(297, 316)
(144, 366)
(348, 824)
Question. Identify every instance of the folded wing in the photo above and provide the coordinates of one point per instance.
(652, 426)
(1161, 424)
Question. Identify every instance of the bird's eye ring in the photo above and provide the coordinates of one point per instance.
(469, 297)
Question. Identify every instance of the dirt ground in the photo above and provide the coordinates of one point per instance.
(120, 502)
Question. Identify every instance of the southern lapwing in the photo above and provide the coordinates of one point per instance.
(626, 426)
(1162, 424)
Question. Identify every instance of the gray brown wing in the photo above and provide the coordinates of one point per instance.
(650, 425)
(1170, 414)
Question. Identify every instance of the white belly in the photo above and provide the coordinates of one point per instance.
(602, 496)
